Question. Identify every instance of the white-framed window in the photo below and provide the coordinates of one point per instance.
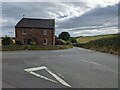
(24, 31)
(45, 41)
(23, 41)
(44, 32)
(33, 29)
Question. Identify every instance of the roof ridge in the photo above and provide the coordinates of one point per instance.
(34, 22)
(37, 19)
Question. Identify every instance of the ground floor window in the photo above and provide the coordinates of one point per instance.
(23, 41)
(45, 41)
(29, 41)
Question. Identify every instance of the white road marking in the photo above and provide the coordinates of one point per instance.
(38, 75)
(35, 69)
(94, 63)
(61, 55)
(61, 75)
(31, 71)
(58, 78)
(91, 62)
(84, 49)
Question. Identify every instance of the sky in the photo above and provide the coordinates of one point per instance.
(79, 18)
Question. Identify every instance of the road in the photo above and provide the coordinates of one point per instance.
(77, 67)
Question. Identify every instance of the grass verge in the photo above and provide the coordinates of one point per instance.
(34, 47)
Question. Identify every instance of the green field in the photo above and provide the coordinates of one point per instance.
(87, 39)
(105, 43)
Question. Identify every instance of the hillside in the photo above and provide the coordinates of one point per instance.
(104, 43)
(87, 39)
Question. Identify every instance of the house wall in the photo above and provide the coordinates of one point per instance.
(35, 33)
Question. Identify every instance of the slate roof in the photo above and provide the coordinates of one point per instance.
(36, 23)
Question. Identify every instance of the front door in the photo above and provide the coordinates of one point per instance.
(29, 41)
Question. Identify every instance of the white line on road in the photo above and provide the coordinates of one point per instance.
(38, 75)
(35, 69)
(31, 71)
(58, 78)
(91, 62)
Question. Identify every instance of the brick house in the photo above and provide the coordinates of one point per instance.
(40, 31)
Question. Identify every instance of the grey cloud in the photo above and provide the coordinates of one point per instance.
(13, 11)
(94, 17)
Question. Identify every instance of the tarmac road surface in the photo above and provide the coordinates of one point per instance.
(70, 68)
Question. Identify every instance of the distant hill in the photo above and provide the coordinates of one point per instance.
(105, 43)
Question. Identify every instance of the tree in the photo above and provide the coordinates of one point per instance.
(64, 36)
(7, 40)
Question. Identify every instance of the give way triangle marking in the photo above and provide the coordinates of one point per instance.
(31, 71)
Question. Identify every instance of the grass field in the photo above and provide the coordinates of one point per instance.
(87, 39)
(104, 43)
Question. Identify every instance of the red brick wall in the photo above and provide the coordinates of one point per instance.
(37, 33)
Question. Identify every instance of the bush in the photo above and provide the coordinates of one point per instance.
(7, 41)
(18, 42)
(68, 43)
(32, 43)
(60, 42)
(73, 40)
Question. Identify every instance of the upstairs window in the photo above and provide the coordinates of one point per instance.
(44, 32)
(33, 29)
(23, 31)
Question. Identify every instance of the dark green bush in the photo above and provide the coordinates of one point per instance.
(60, 42)
(73, 40)
(6, 40)
(18, 42)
